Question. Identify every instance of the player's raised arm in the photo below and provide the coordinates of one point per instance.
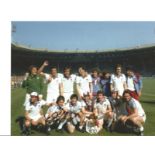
(40, 70)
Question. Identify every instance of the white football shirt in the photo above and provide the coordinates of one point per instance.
(102, 106)
(75, 108)
(84, 83)
(53, 85)
(135, 104)
(130, 84)
(118, 83)
(33, 110)
(56, 108)
(68, 84)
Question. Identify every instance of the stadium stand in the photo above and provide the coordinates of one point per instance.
(141, 58)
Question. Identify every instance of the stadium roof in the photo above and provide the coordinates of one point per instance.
(24, 47)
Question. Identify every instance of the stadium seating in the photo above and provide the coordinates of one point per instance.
(141, 58)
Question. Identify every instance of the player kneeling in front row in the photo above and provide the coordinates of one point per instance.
(56, 114)
(118, 108)
(76, 115)
(136, 116)
(33, 113)
(87, 105)
(103, 111)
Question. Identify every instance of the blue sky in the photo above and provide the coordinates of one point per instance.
(84, 35)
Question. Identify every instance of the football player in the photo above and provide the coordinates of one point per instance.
(33, 113)
(56, 114)
(136, 115)
(84, 83)
(103, 111)
(68, 83)
(54, 83)
(76, 115)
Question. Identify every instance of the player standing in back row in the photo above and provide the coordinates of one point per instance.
(134, 83)
(54, 83)
(33, 82)
(118, 81)
(96, 81)
(68, 83)
(84, 83)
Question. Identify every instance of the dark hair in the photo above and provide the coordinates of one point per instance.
(82, 67)
(53, 67)
(100, 92)
(126, 92)
(118, 66)
(96, 70)
(129, 68)
(112, 92)
(31, 67)
(67, 68)
(104, 73)
(60, 98)
(74, 96)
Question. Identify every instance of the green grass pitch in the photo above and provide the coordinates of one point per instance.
(147, 100)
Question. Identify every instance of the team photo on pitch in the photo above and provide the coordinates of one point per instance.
(76, 90)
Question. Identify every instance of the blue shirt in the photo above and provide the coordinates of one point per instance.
(96, 85)
(105, 84)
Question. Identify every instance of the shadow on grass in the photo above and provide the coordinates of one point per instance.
(119, 128)
(20, 120)
(148, 102)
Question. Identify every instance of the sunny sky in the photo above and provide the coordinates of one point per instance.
(83, 35)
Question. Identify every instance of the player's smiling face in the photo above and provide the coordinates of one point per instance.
(127, 97)
(87, 98)
(114, 95)
(67, 73)
(34, 71)
(34, 99)
(54, 72)
(73, 101)
(118, 70)
(82, 72)
(95, 74)
(107, 75)
(61, 103)
(100, 97)
(129, 73)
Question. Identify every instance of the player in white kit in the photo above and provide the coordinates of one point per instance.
(84, 83)
(56, 114)
(136, 114)
(118, 81)
(75, 115)
(68, 84)
(54, 86)
(102, 110)
(33, 112)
